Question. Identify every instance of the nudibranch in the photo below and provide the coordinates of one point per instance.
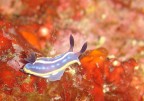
(53, 68)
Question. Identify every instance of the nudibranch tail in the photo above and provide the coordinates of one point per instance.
(71, 43)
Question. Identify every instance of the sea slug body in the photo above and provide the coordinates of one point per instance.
(53, 68)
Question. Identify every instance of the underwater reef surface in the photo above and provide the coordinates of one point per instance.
(98, 78)
(112, 73)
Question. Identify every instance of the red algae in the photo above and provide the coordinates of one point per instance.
(12, 81)
(109, 77)
(41, 86)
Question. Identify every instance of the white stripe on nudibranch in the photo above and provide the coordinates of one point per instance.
(55, 73)
(49, 62)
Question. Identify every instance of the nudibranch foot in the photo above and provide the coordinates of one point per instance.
(55, 77)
